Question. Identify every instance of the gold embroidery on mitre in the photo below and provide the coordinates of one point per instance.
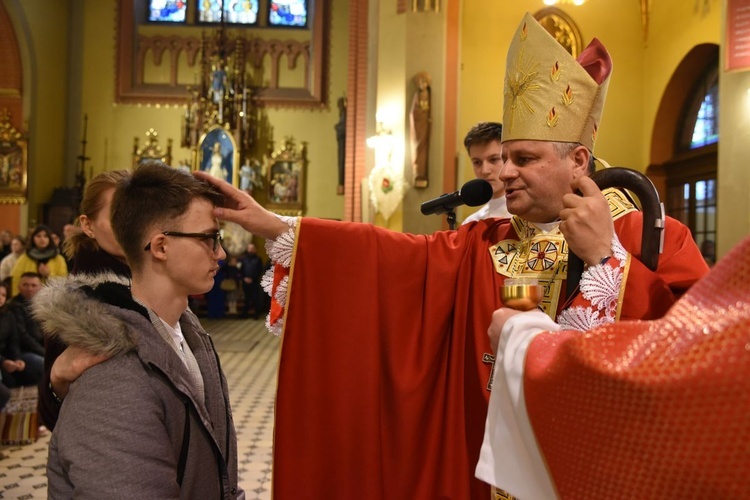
(567, 96)
(552, 117)
(532, 48)
(520, 80)
(593, 133)
(555, 73)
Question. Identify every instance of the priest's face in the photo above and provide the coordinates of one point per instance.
(536, 178)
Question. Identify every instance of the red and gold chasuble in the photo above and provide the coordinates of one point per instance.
(653, 409)
(382, 385)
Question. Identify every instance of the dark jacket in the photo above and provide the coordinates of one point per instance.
(30, 336)
(134, 426)
(8, 336)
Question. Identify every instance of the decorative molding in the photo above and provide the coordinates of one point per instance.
(136, 52)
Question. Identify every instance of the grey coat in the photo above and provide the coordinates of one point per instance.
(133, 426)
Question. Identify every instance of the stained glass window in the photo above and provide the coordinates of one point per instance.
(169, 11)
(706, 130)
(287, 13)
(235, 11)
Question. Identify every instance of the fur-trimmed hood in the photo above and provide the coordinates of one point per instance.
(89, 311)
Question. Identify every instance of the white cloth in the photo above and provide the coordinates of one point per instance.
(510, 458)
(496, 208)
(6, 266)
(176, 332)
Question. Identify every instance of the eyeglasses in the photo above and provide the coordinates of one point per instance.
(200, 236)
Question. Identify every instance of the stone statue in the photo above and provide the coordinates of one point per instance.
(340, 128)
(218, 82)
(250, 176)
(420, 125)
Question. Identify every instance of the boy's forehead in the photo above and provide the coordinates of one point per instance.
(484, 147)
(200, 212)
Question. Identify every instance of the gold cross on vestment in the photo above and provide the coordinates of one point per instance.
(488, 358)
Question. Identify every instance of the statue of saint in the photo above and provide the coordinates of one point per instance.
(420, 123)
(340, 128)
(217, 168)
(250, 176)
(218, 82)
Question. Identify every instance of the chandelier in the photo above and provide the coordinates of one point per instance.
(563, 2)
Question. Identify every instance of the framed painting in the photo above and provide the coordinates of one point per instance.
(13, 162)
(218, 155)
(287, 169)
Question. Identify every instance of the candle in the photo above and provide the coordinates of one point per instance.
(244, 107)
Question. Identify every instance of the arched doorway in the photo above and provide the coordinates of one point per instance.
(684, 145)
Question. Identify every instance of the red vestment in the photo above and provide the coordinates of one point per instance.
(654, 409)
(382, 388)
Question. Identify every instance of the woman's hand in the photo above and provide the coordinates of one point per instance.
(43, 270)
(69, 366)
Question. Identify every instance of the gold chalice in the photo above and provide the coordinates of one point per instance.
(522, 294)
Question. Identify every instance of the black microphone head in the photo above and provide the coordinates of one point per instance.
(476, 192)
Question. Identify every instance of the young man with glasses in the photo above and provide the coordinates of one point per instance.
(153, 421)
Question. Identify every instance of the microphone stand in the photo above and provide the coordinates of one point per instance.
(451, 215)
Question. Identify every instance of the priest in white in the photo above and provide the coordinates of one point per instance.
(629, 409)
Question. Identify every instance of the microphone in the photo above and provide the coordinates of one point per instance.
(474, 193)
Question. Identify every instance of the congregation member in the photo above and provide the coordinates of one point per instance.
(17, 248)
(153, 420)
(13, 363)
(252, 271)
(28, 331)
(5, 238)
(384, 345)
(7, 330)
(484, 145)
(42, 257)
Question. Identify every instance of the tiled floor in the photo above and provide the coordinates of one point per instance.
(249, 356)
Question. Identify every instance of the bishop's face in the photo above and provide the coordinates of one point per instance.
(536, 178)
